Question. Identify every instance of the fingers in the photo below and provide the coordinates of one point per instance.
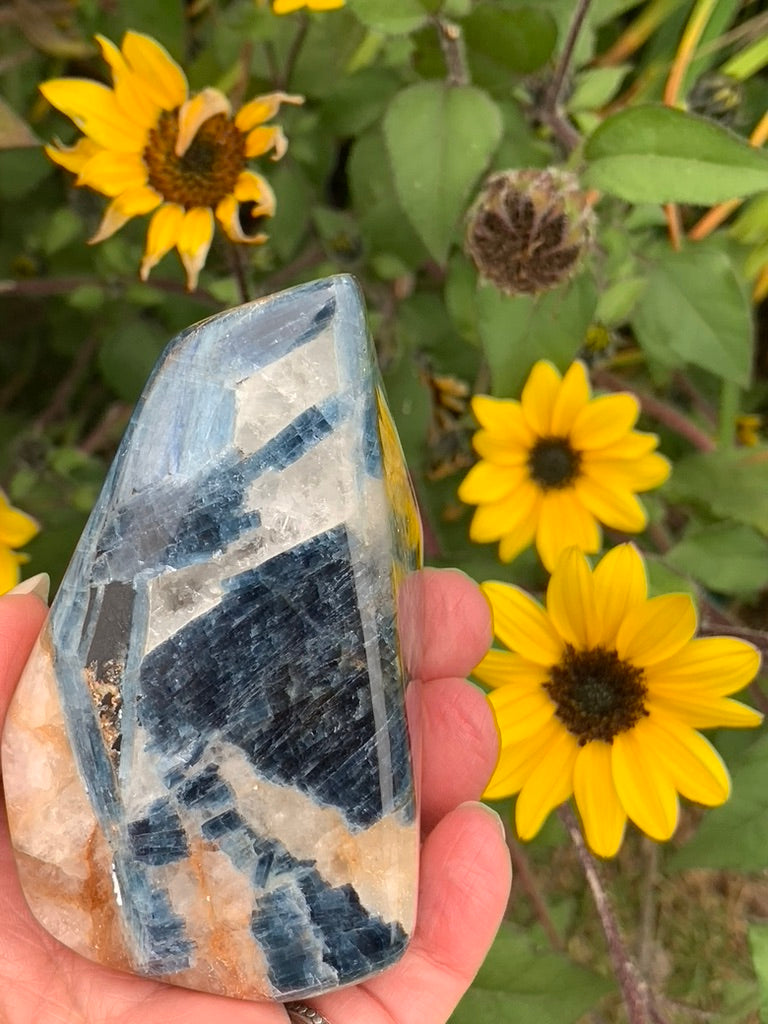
(445, 623)
(21, 618)
(459, 747)
(463, 893)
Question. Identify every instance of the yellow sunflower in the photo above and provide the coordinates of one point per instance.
(600, 695)
(289, 6)
(556, 464)
(16, 530)
(153, 148)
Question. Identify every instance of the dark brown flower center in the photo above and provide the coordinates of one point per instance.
(207, 172)
(552, 463)
(596, 694)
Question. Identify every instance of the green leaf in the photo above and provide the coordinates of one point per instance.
(129, 353)
(758, 947)
(734, 836)
(518, 331)
(728, 558)
(730, 484)
(520, 983)
(658, 154)
(596, 87)
(618, 300)
(440, 139)
(519, 41)
(695, 308)
(291, 220)
(395, 17)
(164, 21)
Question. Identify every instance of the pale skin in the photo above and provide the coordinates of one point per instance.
(465, 871)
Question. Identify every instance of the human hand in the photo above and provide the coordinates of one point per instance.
(465, 870)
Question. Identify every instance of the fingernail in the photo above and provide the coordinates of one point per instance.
(39, 585)
(490, 811)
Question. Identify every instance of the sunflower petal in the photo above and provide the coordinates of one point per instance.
(695, 767)
(503, 418)
(504, 668)
(161, 76)
(94, 109)
(487, 483)
(131, 94)
(644, 788)
(262, 138)
(497, 519)
(715, 665)
(197, 111)
(262, 108)
(631, 446)
(602, 816)
(252, 188)
(130, 204)
(538, 397)
(702, 713)
(111, 173)
(522, 625)
(519, 717)
(656, 629)
(549, 785)
(74, 157)
(195, 237)
(604, 420)
(630, 474)
(613, 506)
(9, 569)
(620, 584)
(517, 761)
(500, 452)
(572, 396)
(162, 235)
(571, 601)
(564, 522)
(521, 536)
(16, 527)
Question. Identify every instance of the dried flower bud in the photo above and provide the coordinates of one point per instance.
(528, 230)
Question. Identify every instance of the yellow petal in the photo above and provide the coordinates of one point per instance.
(195, 237)
(631, 446)
(603, 421)
(548, 785)
(162, 235)
(252, 188)
(516, 762)
(629, 474)
(571, 601)
(520, 716)
(497, 519)
(503, 418)
(564, 522)
(287, 6)
(645, 789)
(656, 629)
(130, 91)
(520, 536)
(715, 665)
(74, 157)
(602, 816)
(161, 76)
(130, 204)
(262, 108)
(701, 712)
(620, 584)
(112, 173)
(16, 527)
(573, 394)
(486, 483)
(522, 625)
(499, 451)
(197, 111)
(538, 397)
(9, 569)
(228, 215)
(262, 138)
(617, 508)
(504, 668)
(696, 769)
(95, 110)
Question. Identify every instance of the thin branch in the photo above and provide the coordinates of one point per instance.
(66, 387)
(522, 872)
(648, 917)
(238, 270)
(551, 113)
(42, 287)
(454, 54)
(307, 259)
(284, 79)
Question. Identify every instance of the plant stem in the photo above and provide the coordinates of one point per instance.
(454, 53)
(700, 15)
(238, 270)
(648, 919)
(634, 989)
(640, 30)
(522, 871)
(41, 287)
(284, 79)
(730, 397)
(551, 113)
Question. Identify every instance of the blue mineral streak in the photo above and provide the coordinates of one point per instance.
(295, 664)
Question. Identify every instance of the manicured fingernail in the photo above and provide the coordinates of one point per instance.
(490, 811)
(39, 585)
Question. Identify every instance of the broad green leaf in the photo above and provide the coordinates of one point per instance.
(618, 300)
(758, 947)
(734, 836)
(596, 87)
(520, 983)
(695, 308)
(517, 41)
(728, 558)
(440, 139)
(656, 154)
(518, 331)
(730, 484)
(392, 16)
(128, 354)
(291, 220)
(663, 580)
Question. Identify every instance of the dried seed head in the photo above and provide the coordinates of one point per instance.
(528, 230)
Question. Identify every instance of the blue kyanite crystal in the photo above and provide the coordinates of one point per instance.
(207, 763)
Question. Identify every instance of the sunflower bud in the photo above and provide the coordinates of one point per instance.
(528, 230)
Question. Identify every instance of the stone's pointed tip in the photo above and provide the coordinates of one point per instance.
(39, 585)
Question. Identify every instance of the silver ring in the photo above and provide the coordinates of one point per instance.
(300, 1013)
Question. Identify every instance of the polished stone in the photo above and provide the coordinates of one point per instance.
(207, 764)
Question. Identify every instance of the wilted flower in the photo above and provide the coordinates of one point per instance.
(153, 148)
